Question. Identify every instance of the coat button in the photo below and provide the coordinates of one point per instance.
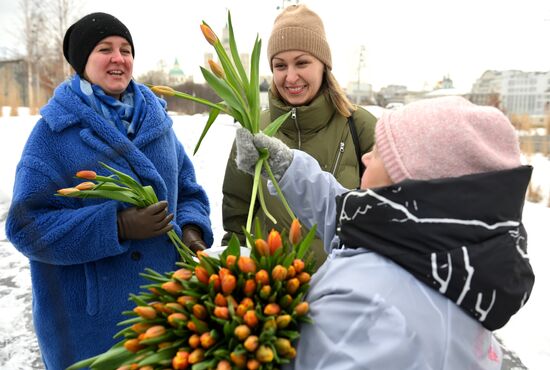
(136, 256)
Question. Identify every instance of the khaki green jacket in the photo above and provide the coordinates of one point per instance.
(317, 129)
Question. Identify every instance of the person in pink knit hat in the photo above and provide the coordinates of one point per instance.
(429, 256)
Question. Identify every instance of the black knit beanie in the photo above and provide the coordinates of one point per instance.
(81, 38)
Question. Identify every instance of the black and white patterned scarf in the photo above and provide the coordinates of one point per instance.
(461, 236)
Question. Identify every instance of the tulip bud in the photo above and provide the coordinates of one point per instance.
(241, 310)
(163, 90)
(264, 354)
(242, 332)
(186, 299)
(246, 265)
(251, 343)
(270, 324)
(194, 341)
(299, 265)
(146, 312)
(154, 331)
(238, 359)
(262, 247)
(223, 272)
(292, 285)
(272, 309)
(291, 272)
(262, 277)
(216, 68)
(176, 319)
(295, 233)
(229, 283)
(291, 353)
(209, 35)
(199, 311)
(248, 303)
(196, 356)
(285, 300)
(182, 274)
(279, 273)
(88, 185)
(304, 277)
(158, 306)
(223, 365)
(250, 318)
(301, 309)
(163, 345)
(220, 300)
(230, 261)
(140, 327)
(202, 274)
(249, 287)
(215, 281)
(67, 191)
(221, 312)
(283, 346)
(172, 287)
(253, 364)
(87, 175)
(172, 307)
(283, 321)
(274, 241)
(265, 292)
(180, 360)
(207, 340)
(133, 345)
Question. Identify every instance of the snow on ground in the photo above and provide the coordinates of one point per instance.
(527, 334)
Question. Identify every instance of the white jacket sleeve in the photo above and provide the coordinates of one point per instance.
(311, 193)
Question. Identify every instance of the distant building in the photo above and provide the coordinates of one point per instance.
(445, 87)
(360, 93)
(518, 92)
(393, 93)
(175, 74)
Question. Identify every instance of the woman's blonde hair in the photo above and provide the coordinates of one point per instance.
(332, 88)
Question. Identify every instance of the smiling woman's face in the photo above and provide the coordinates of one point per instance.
(110, 65)
(297, 75)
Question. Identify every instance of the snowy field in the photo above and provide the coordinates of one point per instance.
(527, 334)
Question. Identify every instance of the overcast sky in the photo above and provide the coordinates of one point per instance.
(412, 43)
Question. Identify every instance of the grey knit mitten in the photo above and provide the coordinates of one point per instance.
(280, 155)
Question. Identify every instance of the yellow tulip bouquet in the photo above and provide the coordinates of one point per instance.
(240, 309)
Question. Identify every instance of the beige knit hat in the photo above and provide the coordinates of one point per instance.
(299, 28)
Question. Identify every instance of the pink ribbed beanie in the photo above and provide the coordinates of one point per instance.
(445, 137)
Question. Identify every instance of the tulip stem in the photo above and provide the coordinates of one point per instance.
(278, 189)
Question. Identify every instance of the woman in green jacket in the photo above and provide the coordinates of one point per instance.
(319, 123)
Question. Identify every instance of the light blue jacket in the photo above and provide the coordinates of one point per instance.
(81, 273)
(368, 312)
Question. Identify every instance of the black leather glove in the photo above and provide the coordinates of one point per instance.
(192, 237)
(143, 223)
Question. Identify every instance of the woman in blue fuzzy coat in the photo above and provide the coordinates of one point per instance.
(86, 255)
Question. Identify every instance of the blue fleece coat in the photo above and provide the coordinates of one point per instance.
(82, 274)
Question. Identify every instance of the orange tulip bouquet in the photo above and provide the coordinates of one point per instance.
(237, 309)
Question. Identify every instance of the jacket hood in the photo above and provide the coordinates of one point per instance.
(462, 236)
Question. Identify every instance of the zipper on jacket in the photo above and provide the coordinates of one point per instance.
(340, 151)
(294, 116)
